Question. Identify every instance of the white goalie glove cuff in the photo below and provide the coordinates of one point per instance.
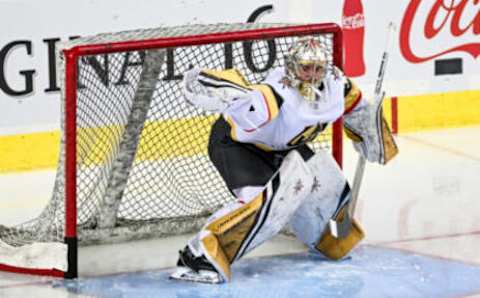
(198, 95)
(371, 134)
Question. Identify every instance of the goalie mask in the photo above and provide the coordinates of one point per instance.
(306, 64)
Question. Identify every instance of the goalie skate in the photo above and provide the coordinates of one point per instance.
(203, 276)
(191, 267)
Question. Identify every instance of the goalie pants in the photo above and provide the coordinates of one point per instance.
(242, 164)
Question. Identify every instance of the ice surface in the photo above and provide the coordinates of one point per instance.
(369, 272)
(420, 214)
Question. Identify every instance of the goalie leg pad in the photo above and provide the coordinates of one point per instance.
(322, 221)
(283, 195)
(329, 192)
(238, 228)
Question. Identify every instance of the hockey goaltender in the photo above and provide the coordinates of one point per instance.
(260, 147)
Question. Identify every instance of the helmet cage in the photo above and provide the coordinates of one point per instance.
(305, 52)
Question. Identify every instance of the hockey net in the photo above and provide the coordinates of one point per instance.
(134, 160)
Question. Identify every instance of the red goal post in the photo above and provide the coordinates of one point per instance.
(96, 190)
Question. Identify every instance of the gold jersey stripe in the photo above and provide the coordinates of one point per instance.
(271, 100)
(305, 134)
(229, 75)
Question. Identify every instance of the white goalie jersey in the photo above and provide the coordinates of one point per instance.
(274, 115)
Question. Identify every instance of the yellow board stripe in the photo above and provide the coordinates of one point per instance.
(41, 150)
(34, 151)
(159, 140)
(442, 110)
(25, 152)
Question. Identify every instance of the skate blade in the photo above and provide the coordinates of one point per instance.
(202, 276)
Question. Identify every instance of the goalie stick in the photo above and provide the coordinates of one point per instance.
(341, 229)
(379, 95)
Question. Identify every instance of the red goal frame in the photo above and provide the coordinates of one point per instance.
(72, 56)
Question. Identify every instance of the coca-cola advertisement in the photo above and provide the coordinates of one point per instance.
(457, 21)
(353, 25)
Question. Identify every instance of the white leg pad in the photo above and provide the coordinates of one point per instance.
(328, 192)
(275, 205)
(294, 186)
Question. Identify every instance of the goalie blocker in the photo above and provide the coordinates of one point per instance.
(303, 196)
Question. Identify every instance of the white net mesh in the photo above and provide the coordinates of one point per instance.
(141, 150)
